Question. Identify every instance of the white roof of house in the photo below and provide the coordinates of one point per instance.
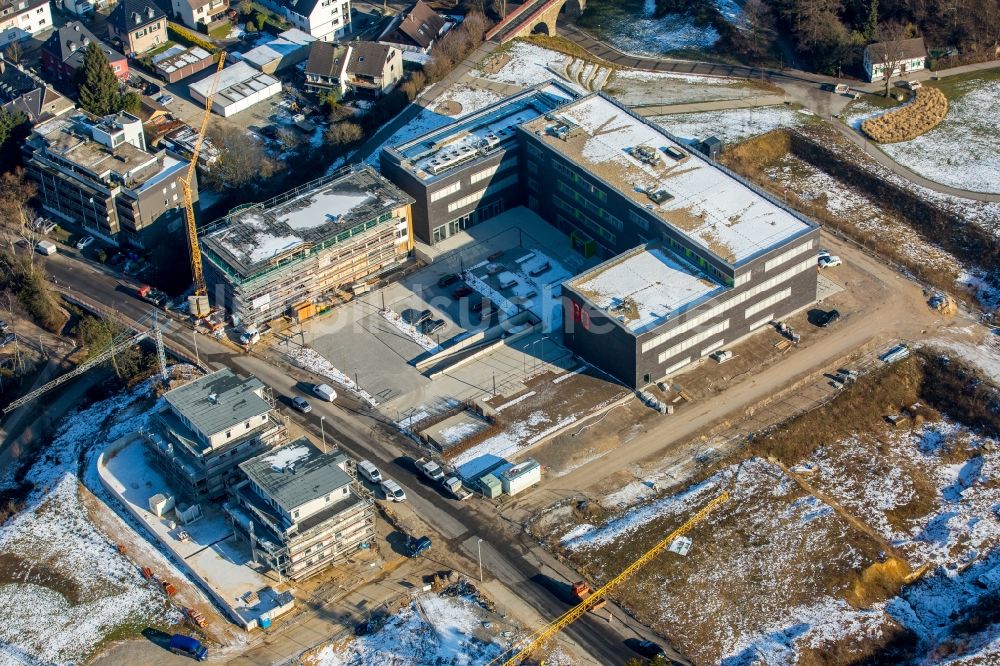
(709, 205)
(286, 43)
(235, 83)
(179, 56)
(645, 286)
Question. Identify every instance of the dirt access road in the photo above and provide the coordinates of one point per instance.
(879, 305)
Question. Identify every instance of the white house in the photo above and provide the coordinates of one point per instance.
(325, 20)
(20, 19)
(240, 87)
(911, 55)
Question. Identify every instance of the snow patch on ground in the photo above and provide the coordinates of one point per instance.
(731, 125)
(651, 36)
(528, 65)
(962, 150)
(410, 331)
(310, 360)
(73, 588)
(469, 98)
(430, 630)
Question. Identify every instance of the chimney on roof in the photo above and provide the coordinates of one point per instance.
(71, 45)
(76, 26)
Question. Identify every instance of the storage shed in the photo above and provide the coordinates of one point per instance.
(240, 87)
(490, 486)
(521, 476)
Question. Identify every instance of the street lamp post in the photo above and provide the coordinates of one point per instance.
(322, 431)
(479, 550)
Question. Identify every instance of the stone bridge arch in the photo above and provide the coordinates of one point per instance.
(535, 17)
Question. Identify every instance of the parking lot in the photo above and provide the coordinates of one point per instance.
(512, 261)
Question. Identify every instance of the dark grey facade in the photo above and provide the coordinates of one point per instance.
(487, 176)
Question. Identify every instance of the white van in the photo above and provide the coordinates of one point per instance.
(325, 391)
(369, 471)
(47, 248)
(392, 491)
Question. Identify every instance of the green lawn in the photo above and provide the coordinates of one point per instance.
(955, 87)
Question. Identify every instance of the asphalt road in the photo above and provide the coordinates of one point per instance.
(507, 555)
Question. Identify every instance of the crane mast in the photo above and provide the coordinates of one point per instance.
(199, 301)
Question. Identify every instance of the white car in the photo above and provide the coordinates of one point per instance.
(914, 85)
(392, 491)
(84, 242)
(165, 99)
(326, 392)
(830, 261)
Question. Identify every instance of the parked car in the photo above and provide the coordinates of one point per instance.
(393, 492)
(325, 391)
(188, 646)
(462, 292)
(47, 227)
(47, 248)
(416, 317)
(165, 99)
(431, 326)
(152, 88)
(721, 356)
(830, 261)
(447, 280)
(842, 89)
(649, 649)
(369, 471)
(828, 318)
(301, 404)
(84, 242)
(914, 85)
(417, 547)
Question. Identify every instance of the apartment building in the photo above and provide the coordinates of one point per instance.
(326, 20)
(62, 54)
(208, 427)
(367, 70)
(697, 257)
(137, 26)
(472, 169)
(283, 257)
(201, 15)
(301, 509)
(20, 19)
(20, 91)
(99, 173)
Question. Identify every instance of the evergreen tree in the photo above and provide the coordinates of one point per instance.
(871, 25)
(98, 85)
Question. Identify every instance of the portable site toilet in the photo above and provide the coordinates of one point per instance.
(490, 486)
(521, 476)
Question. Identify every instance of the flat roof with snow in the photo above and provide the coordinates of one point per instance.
(472, 136)
(254, 238)
(712, 206)
(297, 473)
(644, 287)
(236, 83)
(178, 56)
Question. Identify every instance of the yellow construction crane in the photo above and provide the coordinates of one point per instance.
(199, 301)
(526, 646)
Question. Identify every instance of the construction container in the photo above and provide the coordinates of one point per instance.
(160, 504)
(304, 310)
(523, 475)
(490, 486)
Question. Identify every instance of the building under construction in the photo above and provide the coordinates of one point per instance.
(283, 257)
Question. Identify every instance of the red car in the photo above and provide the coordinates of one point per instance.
(462, 292)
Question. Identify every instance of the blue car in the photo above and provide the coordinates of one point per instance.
(191, 647)
(417, 547)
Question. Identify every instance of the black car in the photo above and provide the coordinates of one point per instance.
(478, 306)
(828, 318)
(449, 279)
(416, 547)
(649, 649)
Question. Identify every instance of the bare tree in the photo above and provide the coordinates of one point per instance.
(500, 8)
(241, 159)
(759, 27)
(888, 51)
(344, 132)
(14, 52)
(16, 213)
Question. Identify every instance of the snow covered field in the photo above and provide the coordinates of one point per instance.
(430, 630)
(650, 36)
(637, 87)
(731, 125)
(63, 585)
(962, 150)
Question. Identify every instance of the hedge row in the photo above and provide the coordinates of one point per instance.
(921, 115)
(181, 34)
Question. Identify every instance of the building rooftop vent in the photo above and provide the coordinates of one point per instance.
(213, 398)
